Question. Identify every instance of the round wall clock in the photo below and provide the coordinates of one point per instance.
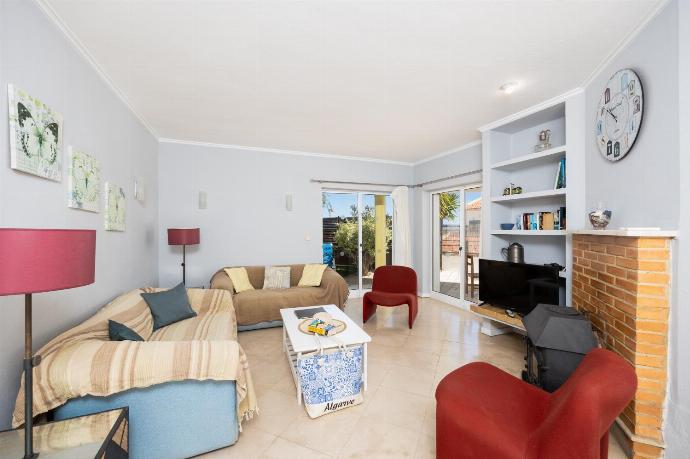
(619, 115)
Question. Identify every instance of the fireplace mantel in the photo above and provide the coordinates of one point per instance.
(629, 232)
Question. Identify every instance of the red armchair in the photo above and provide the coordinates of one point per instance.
(392, 286)
(482, 411)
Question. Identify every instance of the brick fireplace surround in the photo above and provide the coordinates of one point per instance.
(622, 282)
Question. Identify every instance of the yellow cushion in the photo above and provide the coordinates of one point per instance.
(311, 276)
(239, 278)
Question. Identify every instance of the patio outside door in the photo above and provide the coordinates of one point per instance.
(358, 232)
(455, 242)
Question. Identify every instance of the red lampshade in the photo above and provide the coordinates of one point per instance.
(43, 260)
(183, 236)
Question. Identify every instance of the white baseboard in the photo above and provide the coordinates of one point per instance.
(457, 302)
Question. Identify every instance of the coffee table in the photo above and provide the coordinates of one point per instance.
(297, 343)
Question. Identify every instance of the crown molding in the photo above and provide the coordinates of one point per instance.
(530, 110)
(55, 18)
(448, 152)
(318, 155)
(283, 152)
(627, 39)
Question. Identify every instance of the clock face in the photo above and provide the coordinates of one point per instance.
(619, 115)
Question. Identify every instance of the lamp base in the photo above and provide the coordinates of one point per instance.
(30, 361)
(29, 364)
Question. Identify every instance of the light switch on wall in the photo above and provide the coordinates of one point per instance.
(202, 200)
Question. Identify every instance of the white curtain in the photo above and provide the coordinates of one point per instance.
(402, 240)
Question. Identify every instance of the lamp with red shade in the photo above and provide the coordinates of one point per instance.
(183, 237)
(42, 260)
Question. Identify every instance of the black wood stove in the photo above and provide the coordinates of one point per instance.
(558, 337)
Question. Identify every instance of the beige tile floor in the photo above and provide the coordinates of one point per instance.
(397, 418)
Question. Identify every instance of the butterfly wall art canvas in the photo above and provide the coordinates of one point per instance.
(35, 135)
(84, 181)
(114, 207)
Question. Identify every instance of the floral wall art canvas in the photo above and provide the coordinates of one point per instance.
(114, 207)
(84, 181)
(35, 135)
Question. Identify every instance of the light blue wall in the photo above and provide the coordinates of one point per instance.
(459, 162)
(650, 186)
(37, 57)
(246, 222)
(643, 188)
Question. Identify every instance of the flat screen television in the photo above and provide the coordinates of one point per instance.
(517, 286)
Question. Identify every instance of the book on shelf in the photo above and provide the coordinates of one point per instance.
(559, 219)
(530, 221)
(548, 221)
(560, 175)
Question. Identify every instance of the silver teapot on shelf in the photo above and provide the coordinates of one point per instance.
(515, 253)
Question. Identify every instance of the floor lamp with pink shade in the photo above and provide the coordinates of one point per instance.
(42, 260)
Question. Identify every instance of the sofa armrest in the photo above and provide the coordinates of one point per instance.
(336, 287)
(221, 280)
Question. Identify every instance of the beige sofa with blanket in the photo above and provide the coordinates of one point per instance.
(259, 307)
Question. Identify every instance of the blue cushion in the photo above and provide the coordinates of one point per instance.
(169, 306)
(121, 332)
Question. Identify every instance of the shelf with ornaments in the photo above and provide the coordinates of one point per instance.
(530, 151)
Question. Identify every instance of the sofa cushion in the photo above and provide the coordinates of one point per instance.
(240, 279)
(255, 306)
(277, 277)
(121, 332)
(312, 274)
(169, 306)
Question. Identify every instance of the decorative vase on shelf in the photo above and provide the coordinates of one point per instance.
(600, 218)
(544, 141)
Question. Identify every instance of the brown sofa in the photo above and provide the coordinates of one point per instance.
(259, 307)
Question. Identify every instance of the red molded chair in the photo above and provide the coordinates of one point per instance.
(392, 286)
(483, 412)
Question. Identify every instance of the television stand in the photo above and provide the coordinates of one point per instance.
(496, 321)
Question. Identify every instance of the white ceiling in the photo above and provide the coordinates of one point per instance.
(387, 79)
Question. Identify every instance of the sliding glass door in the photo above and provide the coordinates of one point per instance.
(447, 247)
(357, 235)
(341, 221)
(455, 242)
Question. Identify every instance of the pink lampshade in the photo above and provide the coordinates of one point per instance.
(183, 236)
(43, 260)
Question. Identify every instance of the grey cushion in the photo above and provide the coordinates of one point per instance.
(169, 306)
(277, 277)
(121, 332)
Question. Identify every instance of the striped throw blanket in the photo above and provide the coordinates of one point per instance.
(83, 361)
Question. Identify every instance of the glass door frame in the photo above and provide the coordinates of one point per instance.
(360, 290)
(435, 241)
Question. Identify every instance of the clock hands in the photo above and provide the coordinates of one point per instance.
(615, 118)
